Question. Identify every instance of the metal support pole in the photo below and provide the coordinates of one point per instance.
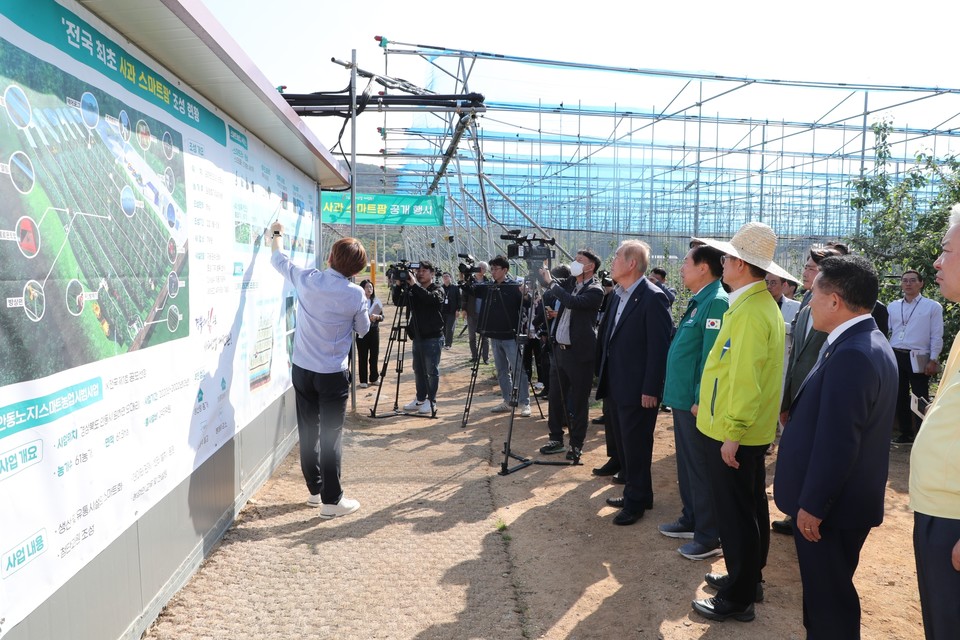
(863, 151)
(532, 222)
(353, 199)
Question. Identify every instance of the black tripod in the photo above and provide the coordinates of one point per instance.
(525, 462)
(402, 318)
(492, 296)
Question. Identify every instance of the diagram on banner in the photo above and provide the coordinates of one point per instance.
(93, 225)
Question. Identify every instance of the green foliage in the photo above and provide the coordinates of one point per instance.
(897, 231)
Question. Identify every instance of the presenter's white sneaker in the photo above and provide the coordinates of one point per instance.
(413, 405)
(314, 500)
(346, 506)
(426, 409)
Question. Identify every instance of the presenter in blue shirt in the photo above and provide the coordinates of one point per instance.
(330, 309)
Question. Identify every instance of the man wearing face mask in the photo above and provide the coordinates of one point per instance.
(574, 338)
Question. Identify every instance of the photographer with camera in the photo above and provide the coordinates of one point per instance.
(501, 301)
(474, 274)
(550, 306)
(415, 288)
(574, 338)
(451, 305)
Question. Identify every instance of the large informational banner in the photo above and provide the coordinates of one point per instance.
(142, 325)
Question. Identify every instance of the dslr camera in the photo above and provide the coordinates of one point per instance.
(604, 277)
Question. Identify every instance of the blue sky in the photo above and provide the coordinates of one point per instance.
(292, 41)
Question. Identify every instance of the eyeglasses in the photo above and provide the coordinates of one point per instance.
(909, 280)
(771, 283)
(725, 257)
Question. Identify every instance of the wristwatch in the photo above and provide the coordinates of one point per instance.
(277, 234)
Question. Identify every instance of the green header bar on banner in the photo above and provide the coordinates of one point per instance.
(64, 30)
(422, 211)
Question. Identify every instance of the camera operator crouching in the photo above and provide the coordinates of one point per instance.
(423, 298)
(574, 337)
(501, 301)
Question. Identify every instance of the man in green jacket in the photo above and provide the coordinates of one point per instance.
(695, 335)
(738, 410)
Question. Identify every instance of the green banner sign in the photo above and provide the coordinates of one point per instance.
(67, 32)
(423, 211)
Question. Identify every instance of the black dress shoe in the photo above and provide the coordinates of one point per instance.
(618, 478)
(784, 526)
(627, 517)
(721, 580)
(608, 469)
(720, 609)
(601, 419)
(619, 503)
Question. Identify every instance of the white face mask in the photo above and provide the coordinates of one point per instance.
(576, 269)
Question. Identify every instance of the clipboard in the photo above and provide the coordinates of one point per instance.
(919, 405)
(918, 361)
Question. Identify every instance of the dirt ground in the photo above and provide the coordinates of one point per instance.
(446, 546)
(579, 576)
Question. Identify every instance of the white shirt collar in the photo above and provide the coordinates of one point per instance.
(839, 329)
(733, 295)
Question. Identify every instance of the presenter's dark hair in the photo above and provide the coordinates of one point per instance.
(348, 257)
(852, 278)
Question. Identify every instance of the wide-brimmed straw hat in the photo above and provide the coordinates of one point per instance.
(755, 243)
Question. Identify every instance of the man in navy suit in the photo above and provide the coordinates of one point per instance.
(632, 355)
(834, 454)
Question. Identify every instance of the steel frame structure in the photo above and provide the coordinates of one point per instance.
(708, 154)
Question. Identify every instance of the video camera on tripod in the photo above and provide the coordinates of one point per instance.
(468, 264)
(535, 251)
(401, 270)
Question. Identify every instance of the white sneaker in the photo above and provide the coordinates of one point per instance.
(503, 407)
(426, 409)
(363, 385)
(525, 410)
(538, 386)
(346, 506)
(314, 500)
(413, 405)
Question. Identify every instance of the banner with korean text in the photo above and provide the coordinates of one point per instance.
(388, 210)
(143, 325)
